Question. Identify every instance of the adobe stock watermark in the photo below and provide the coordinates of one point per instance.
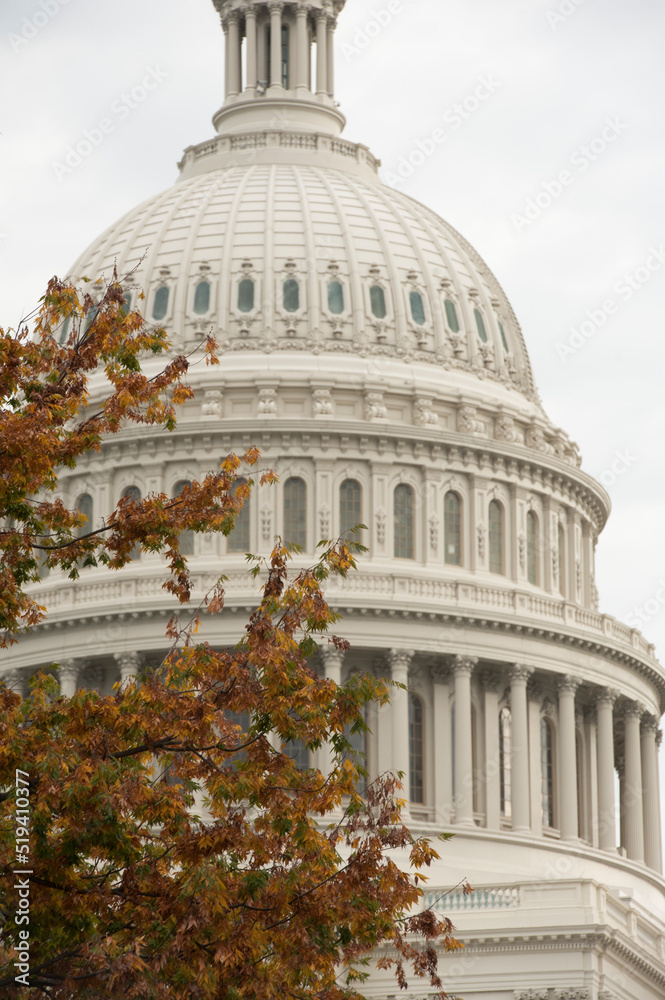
(364, 35)
(22, 872)
(583, 158)
(454, 117)
(562, 12)
(639, 617)
(120, 110)
(622, 463)
(595, 319)
(31, 26)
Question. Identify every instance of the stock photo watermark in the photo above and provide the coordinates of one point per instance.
(364, 35)
(625, 288)
(91, 139)
(22, 874)
(580, 160)
(563, 12)
(454, 118)
(31, 26)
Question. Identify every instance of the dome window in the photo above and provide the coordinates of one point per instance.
(295, 512)
(451, 316)
(246, 295)
(335, 298)
(161, 304)
(532, 547)
(291, 295)
(416, 750)
(134, 493)
(350, 506)
(239, 537)
(480, 323)
(202, 298)
(404, 522)
(503, 338)
(127, 303)
(64, 332)
(453, 529)
(378, 301)
(187, 536)
(547, 772)
(497, 562)
(417, 308)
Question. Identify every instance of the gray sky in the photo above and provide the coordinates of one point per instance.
(569, 117)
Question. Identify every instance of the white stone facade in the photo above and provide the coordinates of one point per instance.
(524, 702)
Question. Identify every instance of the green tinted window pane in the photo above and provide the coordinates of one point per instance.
(335, 298)
(503, 338)
(285, 56)
(451, 316)
(84, 506)
(295, 512)
(202, 298)
(127, 304)
(378, 301)
(453, 529)
(246, 295)
(416, 750)
(496, 537)
(417, 308)
(562, 561)
(480, 323)
(291, 295)
(161, 303)
(547, 772)
(350, 506)
(532, 547)
(186, 537)
(238, 540)
(404, 524)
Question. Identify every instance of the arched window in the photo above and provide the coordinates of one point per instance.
(561, 541)
(416, 750)
(291, 295)
(64, 330)
(451, 316)
(186, 537)
(503, 338)
(417, 308)
(202, 298)
(403, 509)
(377, 298)
(452, 509)
(239, 539)
(358, 752)
(285, 56)
(161, 304)
(246, 295)
(297, 749)
(547, 772)
(295, 512)
(335, 297)
(127, 304)
(135, 494)
(496, 538)
(350, 506)
(505, 761)
(480, 323)
(532, 547)
(84, 507)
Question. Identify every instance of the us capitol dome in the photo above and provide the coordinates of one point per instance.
(372, 356)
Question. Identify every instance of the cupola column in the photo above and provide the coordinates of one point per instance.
(275, 7)
(252, 65)
(400, 660)
(302, 54)
(632, 799)
(68, 675)
(234, 71)
(333, 660)
(653, 854)
(519, 675)
(129, 665)
(322, 54)
(463, 667)
(490, 681)
(606, 798)
(331, 56)
(567, 742)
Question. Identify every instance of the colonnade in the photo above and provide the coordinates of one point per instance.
(309, 22)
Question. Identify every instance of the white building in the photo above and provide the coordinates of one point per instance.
(373, 358)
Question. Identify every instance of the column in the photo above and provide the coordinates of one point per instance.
(605, 700)
(333, 660)
(129, 665)
(535, 696)
(634, 815)
(227, 56)
(331, 56)
(519, 675)
(443, 785)
(275, 44)
(463, 667)
(400, 660)
(653, 856)
(233, 38)
(302, 55)
(567, 744)
(490, 681)
(68, 674)
(250, 33)
(321, 55)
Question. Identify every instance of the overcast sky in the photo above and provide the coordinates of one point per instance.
(561, 106)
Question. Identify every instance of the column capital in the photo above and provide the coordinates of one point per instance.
(439, 673)
(275, 6)
(632, 710)
(520, 672)
(465, 664)
(70, 669)
(491, 680)
(650, 724)
(568, 684)
(331, 655)
(607, 696)
(399, 659)
(129, 664)
(301, 9)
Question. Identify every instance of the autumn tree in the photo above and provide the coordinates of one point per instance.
(172, 847)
